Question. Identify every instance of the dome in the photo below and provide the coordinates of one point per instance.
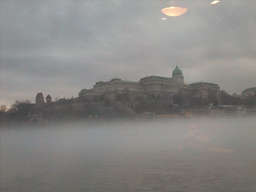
(177, 71)
(83, 90)
(99, 83)
(116, 79)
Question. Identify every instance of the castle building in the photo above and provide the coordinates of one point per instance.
(39, 99)
(248, 92)
(150, 86)
(203, 89)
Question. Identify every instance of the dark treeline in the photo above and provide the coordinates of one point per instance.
(75, 108)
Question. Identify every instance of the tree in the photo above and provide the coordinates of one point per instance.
(21, 110)
(226, 99)
(195, 102)
(102, 97)
(3, 108)
(250, 101)
(2, 113)
(107, 103)
(19, 105)
(213, 99)
(126, 95)
(177, 99)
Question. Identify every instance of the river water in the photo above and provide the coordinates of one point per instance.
(193, 155)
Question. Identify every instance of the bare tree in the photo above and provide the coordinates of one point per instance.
(3, 108)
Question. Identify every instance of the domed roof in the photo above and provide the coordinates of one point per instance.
(116, 79)
(176, 71)
(83, 90)
(99, 83)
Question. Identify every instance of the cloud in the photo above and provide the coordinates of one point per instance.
(63, 46)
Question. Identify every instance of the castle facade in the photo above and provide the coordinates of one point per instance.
(148, 87)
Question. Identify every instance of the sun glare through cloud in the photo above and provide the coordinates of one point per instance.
(174, 11)
(215, 2)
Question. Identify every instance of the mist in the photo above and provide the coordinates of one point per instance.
(200, 154)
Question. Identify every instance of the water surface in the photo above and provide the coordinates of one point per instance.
(167, 155)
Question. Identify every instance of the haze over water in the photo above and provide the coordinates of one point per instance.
(169, 155)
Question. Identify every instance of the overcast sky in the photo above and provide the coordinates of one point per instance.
(59, 47)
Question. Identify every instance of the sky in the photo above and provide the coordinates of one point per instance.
(59, 47)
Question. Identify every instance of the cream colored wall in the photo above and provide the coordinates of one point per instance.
(144, 87)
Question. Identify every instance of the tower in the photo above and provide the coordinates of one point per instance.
(48, 99)
(177, 75)
(39, 99)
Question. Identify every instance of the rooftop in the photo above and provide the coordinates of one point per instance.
(153, 77)
(201, 83)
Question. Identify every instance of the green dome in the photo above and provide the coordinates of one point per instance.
(176, 71)
(83, 90)
(99, 83)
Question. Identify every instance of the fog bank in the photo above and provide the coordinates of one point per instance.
(114, 156)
